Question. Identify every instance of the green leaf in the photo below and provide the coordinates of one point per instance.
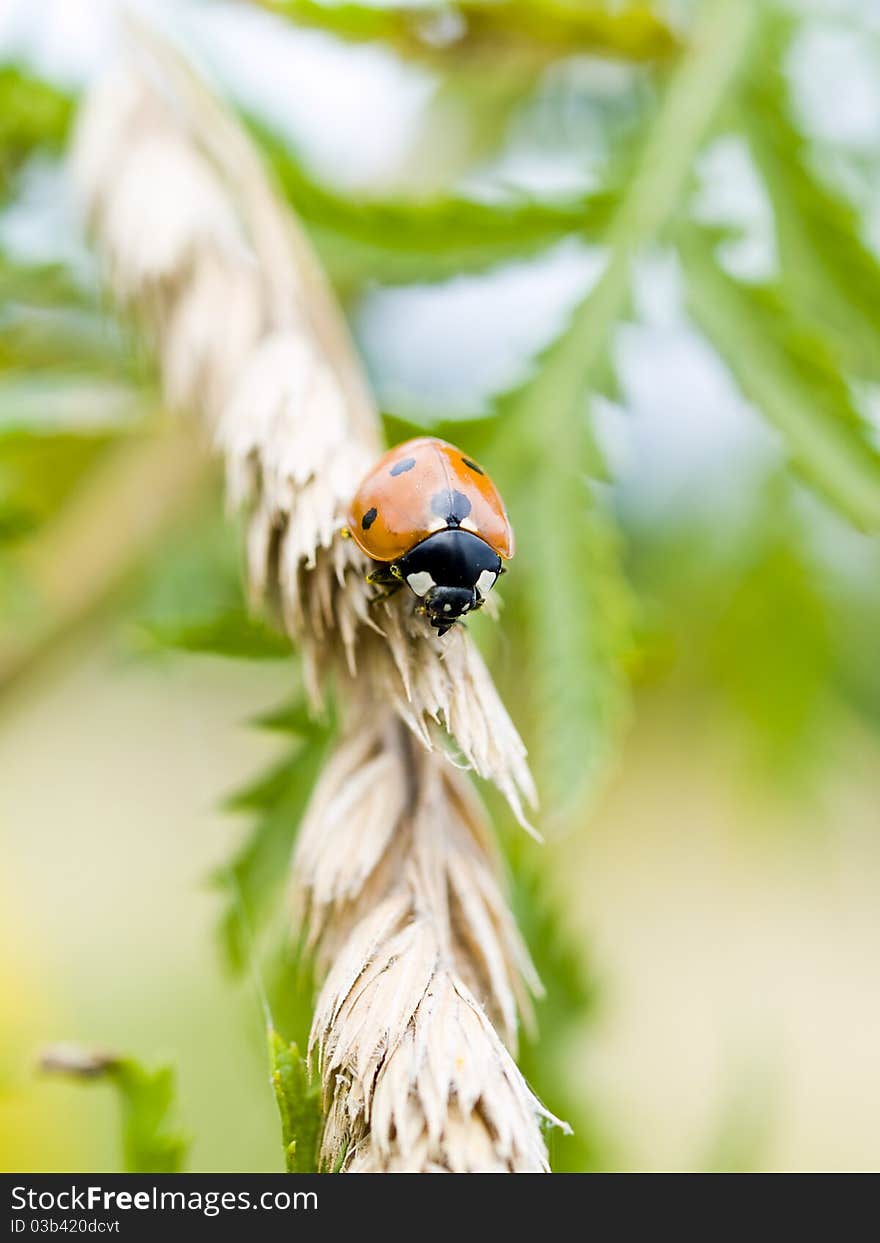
(45, 287)
(577, 595)
(290, 718)
(80, 343)
(265, 792)
(152, 1140)
(780, 690)
(233, 633)
(827, 270)
(299, 1104)
(398, 241)
(576, 605)
(39, 472)
(15, 522)
(255, 878)
(194, 600)
(287, 971)
(56, 402)
(568, 1005)
(33, 115)
(69, 385)
(551, 27)
(790, 375)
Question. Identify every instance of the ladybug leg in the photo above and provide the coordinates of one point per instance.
(384, 575)
(387, 576)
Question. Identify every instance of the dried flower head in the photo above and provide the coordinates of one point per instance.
(395, 873)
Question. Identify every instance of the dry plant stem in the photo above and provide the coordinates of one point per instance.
(395, 873)
(404, 907)
(75, 1060)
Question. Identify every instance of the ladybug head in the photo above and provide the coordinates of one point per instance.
(451, 571)
(445, 605)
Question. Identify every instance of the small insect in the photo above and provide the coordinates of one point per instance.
(431, 518)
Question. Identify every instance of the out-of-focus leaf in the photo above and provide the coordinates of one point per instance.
(299, 1105)
(568, 1004)
(69, 384)
(827, 270)
(568, 549)
(484, 28)
(856, 625)
(49, 401)
(41, 287)
(264, 792)
(788, 372)
(38, 473)
(256, 876)
(288, 975)
(476, 434)
(152, 1140)
(194, 600)
(776, 616)
(234, 633)
(771, 650)
(425, 239)
(576, 606)
(66, 337)
(33, 115)
(290, 718)
(15, 523)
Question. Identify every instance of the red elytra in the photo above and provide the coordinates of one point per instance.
(420, 487)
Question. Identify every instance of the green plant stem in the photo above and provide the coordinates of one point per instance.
(713, 63)
(578, 644)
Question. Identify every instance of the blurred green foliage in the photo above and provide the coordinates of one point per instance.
(364, 239)
(570, 995)
(70, 380)
(256, 877)
(764, 616)
(152, 1140)
(34, 117)
(487, 29)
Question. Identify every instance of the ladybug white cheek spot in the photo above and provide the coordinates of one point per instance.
(486, 582)
(421, 583)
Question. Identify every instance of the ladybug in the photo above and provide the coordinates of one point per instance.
(431, 518)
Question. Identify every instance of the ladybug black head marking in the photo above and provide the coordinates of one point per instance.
(452, 571)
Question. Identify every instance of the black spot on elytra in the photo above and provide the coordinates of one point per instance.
(473, 466)
(369, 518)
(400, 468)
(452, 507)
